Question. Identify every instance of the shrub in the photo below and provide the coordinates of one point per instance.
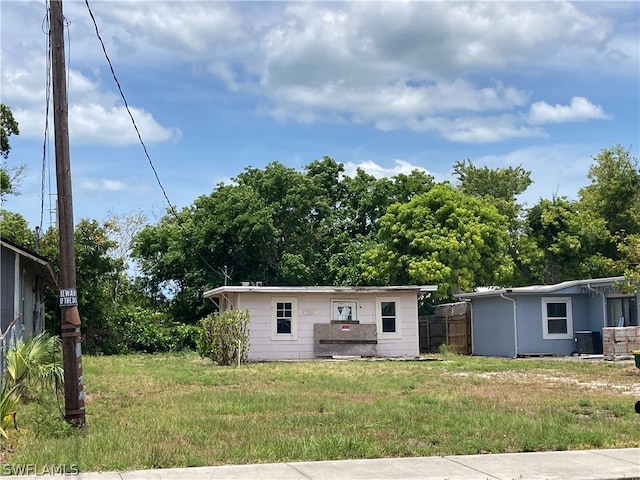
(137, 329)
(225, 337)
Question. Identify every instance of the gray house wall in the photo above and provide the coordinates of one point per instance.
(493, 318)
(7, 287)
(530, 329)
(23, 276)
(492, 327)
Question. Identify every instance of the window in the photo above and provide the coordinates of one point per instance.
(344, 311)
(388, 323)
(622, 312)
(557, 322)
(283, 319)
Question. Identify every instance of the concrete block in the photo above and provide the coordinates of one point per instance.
(635, 345)
(335, 339)
(621, 348)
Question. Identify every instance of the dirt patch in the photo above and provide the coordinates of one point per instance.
(545, 379)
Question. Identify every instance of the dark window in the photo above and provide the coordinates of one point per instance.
(388, 315)
(557, 325)
(284, 317)
(557, 317)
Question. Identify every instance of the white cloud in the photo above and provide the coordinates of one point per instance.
(95, 124)
(94, 114)
(579, 110)
(184, 29)
(378, 171)
(406, 65)
(103, 185)
(481, 129)
(425, 66)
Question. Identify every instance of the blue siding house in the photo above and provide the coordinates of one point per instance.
(547, 319)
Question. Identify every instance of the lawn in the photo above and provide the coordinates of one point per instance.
(159, 411)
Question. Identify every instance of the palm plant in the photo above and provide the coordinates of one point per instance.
(35, 362)
(9, 398)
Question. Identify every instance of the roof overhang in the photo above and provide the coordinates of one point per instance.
(538, 289)
(216, 292)
(37, 263)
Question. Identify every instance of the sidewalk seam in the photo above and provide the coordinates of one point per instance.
(300, 472)
(604, 454)
(488, 475)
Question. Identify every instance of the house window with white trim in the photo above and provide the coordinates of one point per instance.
(557, 321)
(344, 311)
(284, 319)
(387, 319)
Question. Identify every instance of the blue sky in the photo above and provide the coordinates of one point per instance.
(386, 86)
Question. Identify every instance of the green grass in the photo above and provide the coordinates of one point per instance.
(160, 411)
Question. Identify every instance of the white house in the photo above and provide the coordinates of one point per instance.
(323, 321)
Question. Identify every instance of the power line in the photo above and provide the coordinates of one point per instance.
(172, 208)
(115, 78)
(46, 117)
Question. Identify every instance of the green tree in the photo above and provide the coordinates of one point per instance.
(501, 187)
(96, 275)
(9, 177)
(614, 192)
(566, 243)
(629, 248)
(8, 127)
(275, 224)
(500, 183)
(441, 237)
(15, 227)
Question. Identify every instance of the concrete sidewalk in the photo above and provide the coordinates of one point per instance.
(569, 465)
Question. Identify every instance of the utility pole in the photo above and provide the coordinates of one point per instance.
(71, 349)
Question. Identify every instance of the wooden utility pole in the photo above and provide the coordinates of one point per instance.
(71, 350)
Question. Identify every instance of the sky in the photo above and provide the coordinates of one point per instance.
(387, 86)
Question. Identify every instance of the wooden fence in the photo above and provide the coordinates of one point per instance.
(450, 325)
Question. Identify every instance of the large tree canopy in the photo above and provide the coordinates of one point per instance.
(319, 226)
(277, 225)
(442, 237)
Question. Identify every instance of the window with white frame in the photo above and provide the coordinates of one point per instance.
(557, 321)
(284, 324)
(387, 317)
(344, 311)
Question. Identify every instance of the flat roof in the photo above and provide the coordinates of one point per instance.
(315, 289)
(539, 288)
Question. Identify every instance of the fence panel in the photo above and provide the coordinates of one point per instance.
(450, 325)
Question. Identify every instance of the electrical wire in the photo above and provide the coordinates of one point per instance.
(46, 117)
(172, 209)
(126, 105)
